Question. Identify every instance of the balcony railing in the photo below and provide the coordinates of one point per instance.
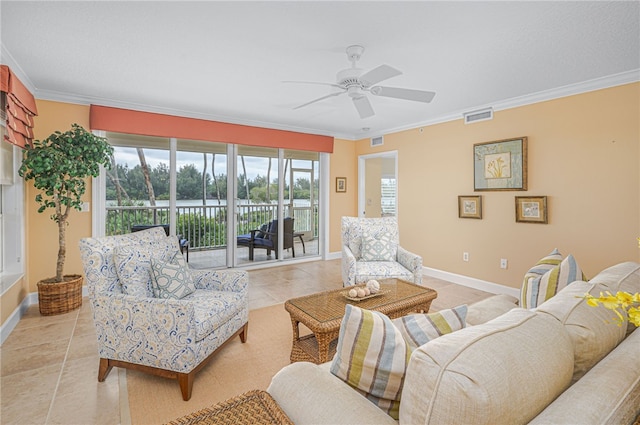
(206, 225)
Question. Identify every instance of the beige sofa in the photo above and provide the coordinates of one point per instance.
(563, 363)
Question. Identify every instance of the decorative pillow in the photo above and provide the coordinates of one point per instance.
(544, 265)
(378, 247)
(418, 329)
(546, 286)
(171, 280)
(264, 228)
(133, 264)
(372, 357)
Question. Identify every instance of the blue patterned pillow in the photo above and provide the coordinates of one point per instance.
(133, 264)
(378, 247)
(171, 279)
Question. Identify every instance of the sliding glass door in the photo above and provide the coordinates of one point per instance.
(214, 195)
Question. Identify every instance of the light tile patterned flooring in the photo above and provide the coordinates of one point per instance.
(49, 365)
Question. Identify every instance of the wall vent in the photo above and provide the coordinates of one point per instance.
(481, 115)
(377, 141)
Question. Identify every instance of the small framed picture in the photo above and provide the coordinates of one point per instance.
(470, 206)
(531, 209)
(341, 184)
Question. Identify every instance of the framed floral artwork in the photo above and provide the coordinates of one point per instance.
(531, 209)
(470, 207)
(500, 165)
(341, 184)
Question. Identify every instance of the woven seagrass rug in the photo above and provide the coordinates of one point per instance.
(236, 369)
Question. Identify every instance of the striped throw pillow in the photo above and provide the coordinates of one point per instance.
(418, 329)
(536, 272)
(546, 286)
(372, 357)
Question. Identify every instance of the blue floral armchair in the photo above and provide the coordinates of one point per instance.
(166, 332)
(371, 250)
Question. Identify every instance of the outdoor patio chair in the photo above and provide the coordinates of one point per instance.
(154, 314)
(267, 238)
(371, 250)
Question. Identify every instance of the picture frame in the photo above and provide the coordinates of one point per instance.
(470, 207)
(500, 165)
(531, 209)
(341, 184)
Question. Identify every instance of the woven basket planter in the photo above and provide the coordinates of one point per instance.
(60, 297)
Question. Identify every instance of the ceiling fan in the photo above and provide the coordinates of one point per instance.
(356, 84)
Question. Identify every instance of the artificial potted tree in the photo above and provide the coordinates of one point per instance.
(59, 167)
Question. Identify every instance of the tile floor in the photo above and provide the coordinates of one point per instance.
(49, 364)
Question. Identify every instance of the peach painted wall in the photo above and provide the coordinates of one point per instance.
(343, 163)
(583, 155)
(41, 231)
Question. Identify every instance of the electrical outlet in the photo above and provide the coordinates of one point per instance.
(503, 263)
(465, 256)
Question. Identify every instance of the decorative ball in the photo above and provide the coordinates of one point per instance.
(374, 286)
(366, 292)
(360, 292)
(353, 293)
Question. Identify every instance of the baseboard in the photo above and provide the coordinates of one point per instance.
(9, 325)
(471, 282)
(334, 255)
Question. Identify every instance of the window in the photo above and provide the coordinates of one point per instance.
(11, 220)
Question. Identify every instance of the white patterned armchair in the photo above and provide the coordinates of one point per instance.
(155, 315)
(371, 250)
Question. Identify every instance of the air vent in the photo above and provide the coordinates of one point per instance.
(475, 116)
(377, 141)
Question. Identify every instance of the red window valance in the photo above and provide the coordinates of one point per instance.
(160, 125)
(20, 107)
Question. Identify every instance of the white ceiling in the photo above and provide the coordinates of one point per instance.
(226, 60)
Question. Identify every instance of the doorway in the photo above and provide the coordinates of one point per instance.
(378, 183)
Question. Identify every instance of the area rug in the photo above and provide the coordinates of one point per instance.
(236, 369)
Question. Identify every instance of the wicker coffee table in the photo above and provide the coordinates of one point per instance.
(251, 408)
(322, 313)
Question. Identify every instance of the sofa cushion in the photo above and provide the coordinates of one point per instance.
(367, 270)
(541, 288)
(418, 329)
(536, 272)
(133, 264)
(309, 394)
(212, 309)
(171, 279)
(592, 329)
(490, 308)
(378, 247)
(623, 277)
(505, 371)
(608, 394)
(372, 356)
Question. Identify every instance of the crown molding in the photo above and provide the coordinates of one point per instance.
(6, 58)
(543, 96)
(89, 100)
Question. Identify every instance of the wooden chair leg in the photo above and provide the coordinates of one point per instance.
(103, 369)
(245, 333)
(186, 384)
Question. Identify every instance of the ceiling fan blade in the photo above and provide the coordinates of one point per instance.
(406, 94)
(319, 99)
(363, 106)
(378, 74)
(314, 82)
